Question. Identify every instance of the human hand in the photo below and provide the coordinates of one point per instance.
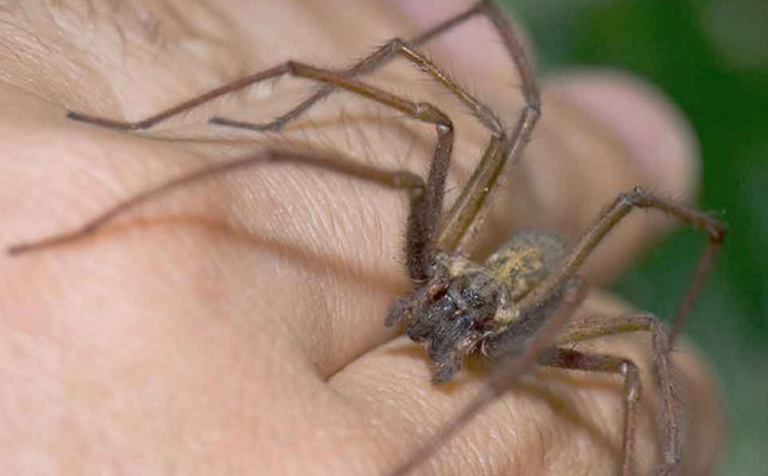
(236, 327)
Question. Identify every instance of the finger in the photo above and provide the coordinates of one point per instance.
(552, 423)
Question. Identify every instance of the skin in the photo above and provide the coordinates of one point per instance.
(236, 327)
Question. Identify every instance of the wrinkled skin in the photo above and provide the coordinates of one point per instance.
(237, 327)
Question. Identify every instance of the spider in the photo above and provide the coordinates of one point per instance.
(512, 308)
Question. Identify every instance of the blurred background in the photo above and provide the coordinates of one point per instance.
(711, 58)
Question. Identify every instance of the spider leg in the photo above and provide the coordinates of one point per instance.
(662, 369)
(574, 360)
(399, 47)
(505, 374)
(424, 218)
(179, 108)
(394, 180)
(392, 48)
(367, 65)
(466, 214)
(362, 67)
(608, 219)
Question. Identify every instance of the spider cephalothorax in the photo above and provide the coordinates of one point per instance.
(465, 307)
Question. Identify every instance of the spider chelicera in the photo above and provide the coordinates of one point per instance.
(512, 308)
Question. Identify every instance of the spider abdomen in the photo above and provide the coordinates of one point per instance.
(525, 260)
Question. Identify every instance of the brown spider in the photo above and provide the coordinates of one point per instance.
(512, 308)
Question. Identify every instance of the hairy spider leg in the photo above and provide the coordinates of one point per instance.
(423, 220)
(608, 219)
(396, 180)
(364, 66)
(361, 68)
(574, 360)
(392, 48)
(661, 367)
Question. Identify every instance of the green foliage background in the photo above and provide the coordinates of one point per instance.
(711, 58)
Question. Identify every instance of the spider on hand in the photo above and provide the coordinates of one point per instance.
(515, 307)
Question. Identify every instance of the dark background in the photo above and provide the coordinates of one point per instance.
(711, 58)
